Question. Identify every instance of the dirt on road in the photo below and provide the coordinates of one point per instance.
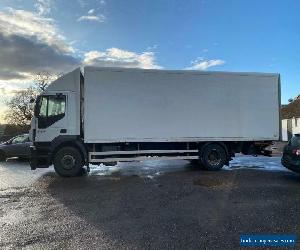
(184, 209)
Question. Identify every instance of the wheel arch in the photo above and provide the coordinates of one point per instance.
(69, 141)
(222, 144)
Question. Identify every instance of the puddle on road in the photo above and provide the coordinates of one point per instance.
(153, 168)
(260, 162)
(147, 169)
(18, 174)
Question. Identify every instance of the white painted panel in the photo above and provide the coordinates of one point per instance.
(284, 130)
(296, 125)
(152, 105)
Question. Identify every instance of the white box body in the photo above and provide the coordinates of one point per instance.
(136, 105)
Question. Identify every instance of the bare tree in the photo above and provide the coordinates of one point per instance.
(43, 79)
(20, 108)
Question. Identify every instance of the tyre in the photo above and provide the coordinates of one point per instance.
(68, 162)
(2, 156)
(213, 157)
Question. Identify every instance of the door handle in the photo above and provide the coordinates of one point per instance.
(63, 131)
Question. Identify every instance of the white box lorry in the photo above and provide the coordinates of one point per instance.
(117, 114)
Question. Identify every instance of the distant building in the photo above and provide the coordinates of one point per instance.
(290, 115)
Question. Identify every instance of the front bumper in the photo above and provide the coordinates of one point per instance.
(40, 157)
(291, 163)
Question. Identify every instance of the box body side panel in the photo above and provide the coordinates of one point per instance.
(123, 106)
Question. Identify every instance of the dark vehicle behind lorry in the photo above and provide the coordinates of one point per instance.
(18, 146)
(291, 154)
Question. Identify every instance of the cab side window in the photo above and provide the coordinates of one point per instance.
(52, 109)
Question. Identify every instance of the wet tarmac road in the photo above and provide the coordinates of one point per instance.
(151, 205)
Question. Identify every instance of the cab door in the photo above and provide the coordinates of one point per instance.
(52, 119)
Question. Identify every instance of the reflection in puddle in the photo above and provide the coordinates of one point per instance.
(153, 168)
(148, 169)
(260, 162)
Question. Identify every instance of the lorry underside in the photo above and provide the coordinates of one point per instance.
(69, 154)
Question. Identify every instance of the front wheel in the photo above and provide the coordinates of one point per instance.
(68, 162)
(213, 157)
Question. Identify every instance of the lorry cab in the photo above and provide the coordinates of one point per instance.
(56, 118)
(57, 109)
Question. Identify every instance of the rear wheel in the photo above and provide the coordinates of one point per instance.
(2, 156)
(213, 157)
(68, 162)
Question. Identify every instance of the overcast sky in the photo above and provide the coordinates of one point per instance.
(231, 35)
